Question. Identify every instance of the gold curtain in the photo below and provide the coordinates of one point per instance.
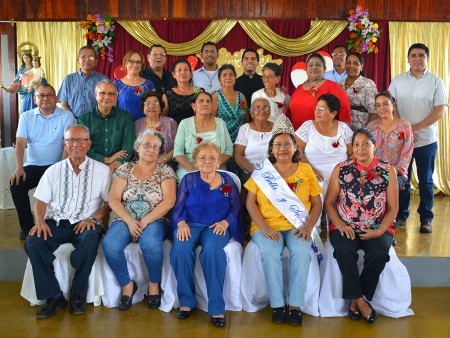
(144, 33)
(58, 44)
(321, 33)
(436, 35)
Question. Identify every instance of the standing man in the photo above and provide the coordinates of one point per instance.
(207, 77)
(40, 132)
(338, 73)
(71, 198)
(161, 78)
(112, 128)
(421, 99)
(76, 90)
(249, 82)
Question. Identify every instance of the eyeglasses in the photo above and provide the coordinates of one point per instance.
(158, 54)
(269, 77)
(87, 57)
(44, 96)
(203, 159)
(151, 103)
(73, 140)
(138, 62)
(151, 146)
(321, 109)
(338, 53)
(261, 108)
(101, 94)
(211, 51)
(284, 145)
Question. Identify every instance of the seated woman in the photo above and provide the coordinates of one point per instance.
(141, 195)
(394, 139)
(202, 127)
(362, 202)
(284, 203)
(325, 141)
(279, 101)
(153, 105)
(207, 213)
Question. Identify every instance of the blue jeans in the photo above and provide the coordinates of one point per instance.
(299, 261)
(118, 237)
(424, 157)
(214, 265)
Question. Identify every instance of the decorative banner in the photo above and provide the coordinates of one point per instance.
(298, 74)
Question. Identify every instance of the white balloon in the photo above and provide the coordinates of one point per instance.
(298, 77)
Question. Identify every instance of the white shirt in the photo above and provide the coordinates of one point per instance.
(274, 101)
(416, 99)
(70, 196)
(256, 143)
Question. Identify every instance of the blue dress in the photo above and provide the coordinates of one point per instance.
(130, 97)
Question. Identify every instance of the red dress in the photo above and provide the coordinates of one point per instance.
(304, 101)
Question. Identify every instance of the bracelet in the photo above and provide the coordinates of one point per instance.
(385, 227)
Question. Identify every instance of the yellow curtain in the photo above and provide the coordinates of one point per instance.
(58, 44)
(144, 33)
(321, 33)
(436, 35)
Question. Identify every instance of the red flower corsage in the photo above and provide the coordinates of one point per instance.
(355, 91)
(336, 143)
(197, 139)
(158, 128)
(293, 185)
(226, 189)
(280, 105)
(313, 91)
(242, 106)
(401, 136)
(371, 175)
(138, 91)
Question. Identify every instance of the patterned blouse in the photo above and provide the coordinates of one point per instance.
(140, 197)
(362, 195)
(395, 148)
(362, 100)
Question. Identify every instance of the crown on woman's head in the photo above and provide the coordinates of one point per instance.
(36, 58)
(282, 126)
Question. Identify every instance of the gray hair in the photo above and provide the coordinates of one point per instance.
(147, 132)
(252, 107)
(72, 126)
(105, 81)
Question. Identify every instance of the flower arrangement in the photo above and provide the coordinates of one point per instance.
(100, 29)
(293, 185)
(226, 189)
(363, 33)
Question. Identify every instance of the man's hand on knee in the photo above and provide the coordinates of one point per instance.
(86, 224)
(41, 228)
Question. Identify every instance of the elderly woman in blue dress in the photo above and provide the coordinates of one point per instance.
(141, 195)
(207, 213)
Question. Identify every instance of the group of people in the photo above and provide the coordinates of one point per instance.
(163, 139)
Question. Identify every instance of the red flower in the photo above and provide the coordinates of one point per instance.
(242, 104)
(401, 136)
(355, 90)
(359, 25)
(138, 90)
(292, 186)
(158, 128)
(198, 139)
(226, 189)
(371, 175)
(352, 35)
(280, 105)
(335, 144)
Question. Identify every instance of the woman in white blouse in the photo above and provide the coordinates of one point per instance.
(252, 142)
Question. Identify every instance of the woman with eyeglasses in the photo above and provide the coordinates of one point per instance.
(207, 213)
(133, 86)
(279, 101)
(305, 97)
(325, 141)
(153, 105)
(142, 194)
(201, 127)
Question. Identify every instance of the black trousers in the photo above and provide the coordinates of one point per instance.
(40, 253)
(19, 194)
(376, 254)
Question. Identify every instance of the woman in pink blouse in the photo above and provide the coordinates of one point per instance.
(393, 135)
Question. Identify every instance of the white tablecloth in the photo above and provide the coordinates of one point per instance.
(7, 167)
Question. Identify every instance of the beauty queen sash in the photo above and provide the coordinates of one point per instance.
(283, 198)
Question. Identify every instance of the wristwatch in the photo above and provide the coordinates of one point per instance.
(93, 219)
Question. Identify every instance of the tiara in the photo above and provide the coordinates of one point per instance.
(282, 126)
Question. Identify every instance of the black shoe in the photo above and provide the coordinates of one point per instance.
(294, 317)
(23, 235)
(77, 304)
(425, 227)
(153, 301)
(51, 306)
(184, 314)
(218, 321)
(279, 315)
(355, 315)
(373, 315)
(126, 301)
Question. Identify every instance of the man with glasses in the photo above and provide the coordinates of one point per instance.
(112, 128)
(161, 78)
(75, 94)
(249, 82)
(207, 77)
(338, 73)
(71, 198)
(40, 132)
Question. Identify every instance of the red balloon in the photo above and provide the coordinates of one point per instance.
(192, 61)
(299, 65)
(119, 72)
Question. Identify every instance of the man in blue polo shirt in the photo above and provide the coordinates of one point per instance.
(76, 90)
(41, 133)
(207, 77)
